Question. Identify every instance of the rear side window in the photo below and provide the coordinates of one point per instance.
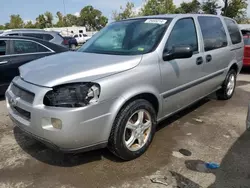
(183, 33)
(24, 47)
(34, 35)
(47, 37)
(13, 34)
(233, 31)
(213, 32)
(3, 47)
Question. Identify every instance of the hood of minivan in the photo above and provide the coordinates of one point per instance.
(72, 67)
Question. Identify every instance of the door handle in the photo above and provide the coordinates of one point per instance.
(208, 58)
(199, 60)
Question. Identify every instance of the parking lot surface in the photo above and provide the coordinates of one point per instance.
(211, 131)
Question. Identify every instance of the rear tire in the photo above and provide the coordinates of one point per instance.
(133, 130)
(228, 87)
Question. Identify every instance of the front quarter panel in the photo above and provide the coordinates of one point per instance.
(145, 78)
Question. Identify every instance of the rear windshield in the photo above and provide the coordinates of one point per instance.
(246, 40)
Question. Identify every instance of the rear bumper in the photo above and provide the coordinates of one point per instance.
(246, 62)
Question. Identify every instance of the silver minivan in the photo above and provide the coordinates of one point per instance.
(131, 75)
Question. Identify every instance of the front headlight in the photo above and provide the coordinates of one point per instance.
(73, 95)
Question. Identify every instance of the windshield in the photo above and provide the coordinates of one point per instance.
(130, 37)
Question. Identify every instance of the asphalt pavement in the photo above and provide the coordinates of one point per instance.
(209, 131)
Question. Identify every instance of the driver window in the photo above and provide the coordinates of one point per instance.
(183, 33)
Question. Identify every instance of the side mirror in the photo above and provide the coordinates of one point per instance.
(178, 52)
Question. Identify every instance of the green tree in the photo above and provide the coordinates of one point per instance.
(29, 24)
(15, 21)
(61, 19)
(92, 18)
(124, 13)
(2, 27)
(154, 7)
(192, 7)
(235, 9)
(210, 6)
(41, 21)
(71, 20)
(49, 19)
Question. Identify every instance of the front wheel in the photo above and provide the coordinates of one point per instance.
(228, 87)
(133, 130)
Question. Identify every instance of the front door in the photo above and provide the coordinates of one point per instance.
(180, 77)
(5, 70)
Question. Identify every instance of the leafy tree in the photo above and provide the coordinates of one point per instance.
(2, 27)
(29, 24)
(154, 7)
(71, 20)
(61, 20)
(192, 7)
(210, 7)
(92, 18)
(235, 9)
(15, 21)
(49, 19)
(41, 21)
(128, 12)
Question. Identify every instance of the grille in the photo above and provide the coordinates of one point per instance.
(23, 113)
(23, 94)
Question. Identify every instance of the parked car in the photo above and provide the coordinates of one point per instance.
(246, 59)
(70, 42)
(127, 78)
(16, 51)
(81, 38)
(50, 36)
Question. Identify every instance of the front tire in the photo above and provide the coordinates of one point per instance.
(133, 130)
(228, 87)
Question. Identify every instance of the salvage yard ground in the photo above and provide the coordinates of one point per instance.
(213, 131)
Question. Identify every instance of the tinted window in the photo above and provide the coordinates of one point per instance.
(233, 31)
(183, 33)
(47, 37)
(2, 47)
(85, 35)
(214, 35)
(23, 47)
(34, 35)
(80, 35)
(75, 36)
(13, 34)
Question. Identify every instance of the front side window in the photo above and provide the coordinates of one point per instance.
(183, 33)
(25, 47)
(213, 32)
(129, 37)
(233, 31)
(3, 47)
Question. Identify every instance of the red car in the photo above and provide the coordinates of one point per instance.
(246, 59)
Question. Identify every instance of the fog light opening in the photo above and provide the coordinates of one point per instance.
(56, 123)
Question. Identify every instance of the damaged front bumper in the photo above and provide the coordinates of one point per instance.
(81, 128)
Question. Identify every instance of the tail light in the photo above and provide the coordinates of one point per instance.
(65, 42)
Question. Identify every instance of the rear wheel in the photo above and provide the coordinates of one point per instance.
(133, 130)
(228, 87)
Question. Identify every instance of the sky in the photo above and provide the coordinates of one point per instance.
(30, 9)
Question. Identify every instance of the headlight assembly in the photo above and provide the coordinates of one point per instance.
(73, 95)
